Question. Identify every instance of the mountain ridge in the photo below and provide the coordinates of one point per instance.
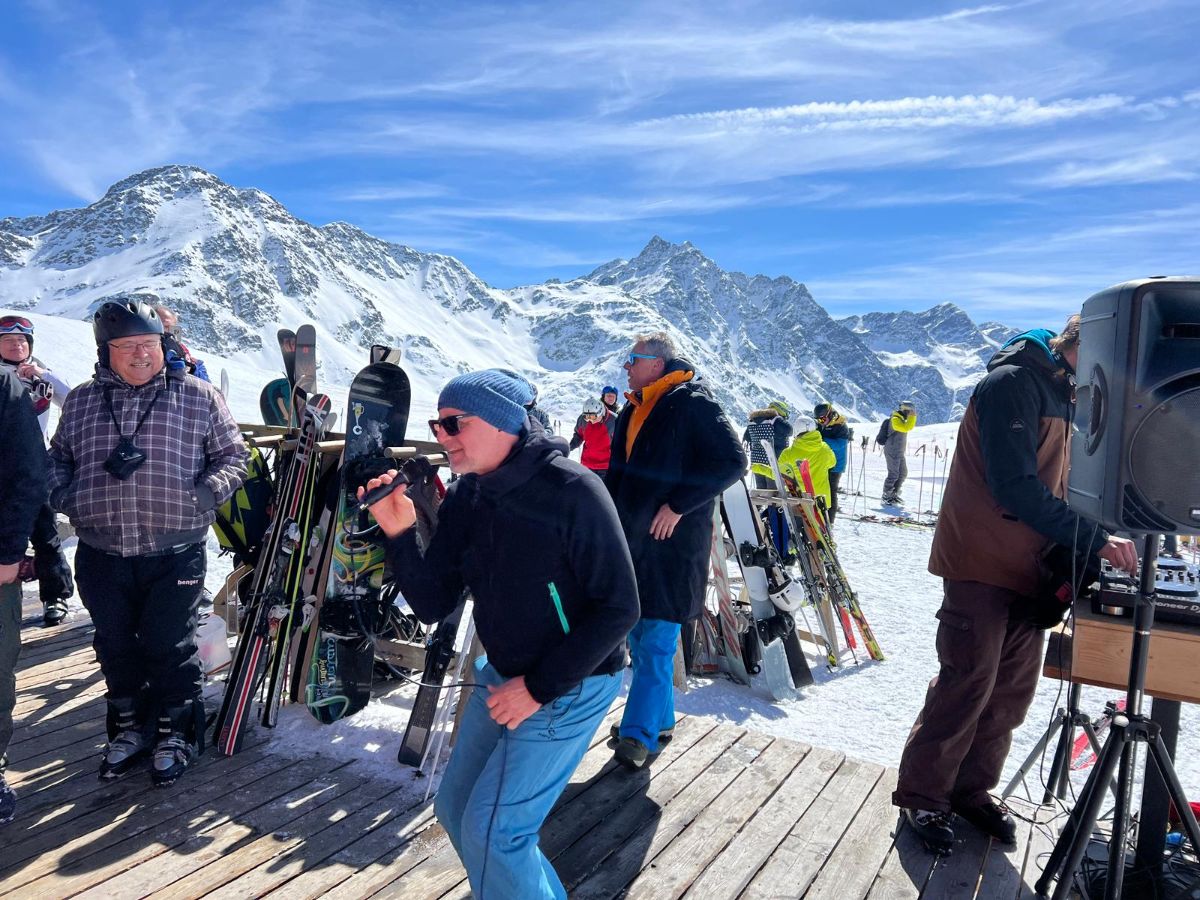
(235, 263)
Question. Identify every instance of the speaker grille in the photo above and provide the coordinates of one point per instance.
(1164, 476)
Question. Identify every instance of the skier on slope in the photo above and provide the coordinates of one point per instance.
(594, 433)
(554, 624)
(838, 435)
(809, 447)
(1002, 509)
(23, 456)
(55, 583)
(893, 435)
(143, 455)
(767, 424)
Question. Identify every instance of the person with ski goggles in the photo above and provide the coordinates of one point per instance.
(50, 566)
(23, 455)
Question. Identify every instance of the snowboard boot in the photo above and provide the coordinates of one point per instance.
(933, 828)
(55, 585)
(127, 744)
(631, 753)
(180, 741)
(664, 737)
(8, 802)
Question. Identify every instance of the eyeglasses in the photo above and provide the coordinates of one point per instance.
(634, 357)
(130, 348)
(452, 424)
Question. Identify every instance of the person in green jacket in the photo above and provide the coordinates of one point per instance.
(808, 445)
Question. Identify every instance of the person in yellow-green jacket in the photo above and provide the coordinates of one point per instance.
(809, 446)
(894, 438)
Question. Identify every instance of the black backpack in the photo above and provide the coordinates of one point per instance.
(885, 432)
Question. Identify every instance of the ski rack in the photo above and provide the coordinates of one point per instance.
(403, 654)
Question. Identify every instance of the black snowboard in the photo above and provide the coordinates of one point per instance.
(352, 611)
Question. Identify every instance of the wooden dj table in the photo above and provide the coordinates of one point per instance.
(1098, 653)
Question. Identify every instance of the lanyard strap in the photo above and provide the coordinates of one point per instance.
(141, 421)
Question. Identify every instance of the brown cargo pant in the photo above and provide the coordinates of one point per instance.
(989, 672)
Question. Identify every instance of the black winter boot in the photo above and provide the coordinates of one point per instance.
(180, 741)
(127, 743)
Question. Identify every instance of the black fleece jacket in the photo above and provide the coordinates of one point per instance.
(539, 545)
(23, 458)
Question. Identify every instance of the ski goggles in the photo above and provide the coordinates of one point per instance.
(451, 424)
(15, 325)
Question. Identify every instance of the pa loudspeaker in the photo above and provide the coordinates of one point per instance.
(1135, 453)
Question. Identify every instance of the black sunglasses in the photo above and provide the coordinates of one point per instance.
(450, 423)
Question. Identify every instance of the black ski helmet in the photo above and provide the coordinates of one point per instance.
(123, 317)
(821, 410)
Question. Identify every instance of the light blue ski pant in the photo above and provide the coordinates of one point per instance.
(500, 785)
(650, 706)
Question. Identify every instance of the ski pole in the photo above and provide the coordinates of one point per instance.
(921, 489)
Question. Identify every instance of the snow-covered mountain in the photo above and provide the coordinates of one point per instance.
(236, 264)
(943, 338)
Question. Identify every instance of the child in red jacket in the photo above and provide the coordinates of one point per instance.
(594, 432)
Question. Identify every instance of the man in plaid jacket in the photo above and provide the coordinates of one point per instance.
(143, 455)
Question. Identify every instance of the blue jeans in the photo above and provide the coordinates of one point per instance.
(500, 785)
(650, 706)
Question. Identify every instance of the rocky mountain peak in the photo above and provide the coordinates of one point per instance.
(236, 264)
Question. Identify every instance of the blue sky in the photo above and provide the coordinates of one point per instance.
(1012, 158)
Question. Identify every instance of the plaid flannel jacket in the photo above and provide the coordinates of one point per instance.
(195, 459)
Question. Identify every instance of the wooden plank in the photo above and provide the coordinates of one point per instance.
(1042, 836)
(687, 856)
(850, 870)
(1001, 877)
(147, 846)
(27, 772)
(956, 876)
(79, 793)
(385, 872)
(623, 865)
(225, 857)
(737, 864)
(791, 869)
(374, 845)
(906, 869)
(308, 845)
(73, 714)
(583, 810)
(124, 816)
(646, 794)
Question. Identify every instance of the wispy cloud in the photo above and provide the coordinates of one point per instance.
(1139, 169)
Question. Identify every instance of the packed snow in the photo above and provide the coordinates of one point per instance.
(863, 710)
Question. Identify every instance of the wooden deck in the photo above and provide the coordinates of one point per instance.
(723, 812)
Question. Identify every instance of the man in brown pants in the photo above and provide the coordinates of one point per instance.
(1002, 510)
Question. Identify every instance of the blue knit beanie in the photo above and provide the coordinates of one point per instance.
(498, 396)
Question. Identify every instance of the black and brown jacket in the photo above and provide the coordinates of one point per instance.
(1004, 504)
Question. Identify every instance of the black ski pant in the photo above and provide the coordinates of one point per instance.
(10, 649)
(835, 478)
(990, 665)
(145, 610)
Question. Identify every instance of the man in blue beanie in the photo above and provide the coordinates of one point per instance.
(535, 538)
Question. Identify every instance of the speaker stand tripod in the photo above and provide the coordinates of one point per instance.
(1064, 723)
(1127, 730)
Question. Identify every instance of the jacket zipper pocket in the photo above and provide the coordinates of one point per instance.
(562, 616)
